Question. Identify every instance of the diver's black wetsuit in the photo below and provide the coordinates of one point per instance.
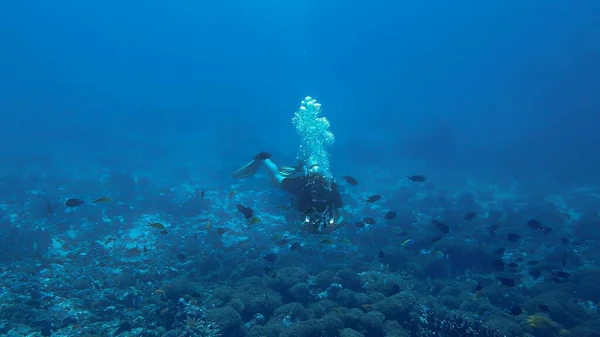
(318, 197)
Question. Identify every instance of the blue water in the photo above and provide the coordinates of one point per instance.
(497, 103)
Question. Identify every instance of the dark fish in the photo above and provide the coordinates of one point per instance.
(561, 274)
(381, 254)
(350, 180)
(416, 178)
(74, 202)
(499, 251)
(360, 224)
(478, 287)
(369, 220)
(395, 289)
(435, 239)
(498, 264)
(295, 247)
(535, 273)
(246, 211)
(543, 307)
(202, 194)
(564, 240)
(49, 207)
(505, 281)
(373, 198)
(390, 215)
(519, 259)
(470, 216)
(441, 226)
(516, 310)
(535, 224)
(512, 237)
(539, 226)
(271, 257)
(512, 265)
(532, 262)
(181, 256)
(262, 156)
(492, 229)
(564, 260)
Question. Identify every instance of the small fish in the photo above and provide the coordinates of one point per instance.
(277, 237)
(438, 254)
(326, 242)
(262, 156)
(381, 254)
(416, 178)
(49, 207)
(295, 247)
(102, 200)
(499, 251)
(395, 289)
(74, 202)
(478, 287)
(436, 239)
(516, 310)
(159, 291)
(534, 224)
(543, 307)
(535, 273)
(282, 242)
(246, 211)
(208, 226)
(360, 224)
(470, 216)
(478, 294)
(407, 242)
(498, 264)
(270, 258)
(344, 242)
(390, 215)
(441, 226)
(202, 195)
(369, 220)
(373, 198)
(564, 260)
(512, 237)
(539, 226)
(231, 194)
(283, 207)
(532, 262)
(367, 306)
(492, 229)
(508, 282)
(221, 231)
(157, 225)
(561, 274)
(196, 236)
(253, 221)
(350, 180)
(181, 256)
(512, 265)
(564, 240)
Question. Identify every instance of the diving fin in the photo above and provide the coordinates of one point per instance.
(246, 171)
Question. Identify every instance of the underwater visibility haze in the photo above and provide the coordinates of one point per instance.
(300, 168)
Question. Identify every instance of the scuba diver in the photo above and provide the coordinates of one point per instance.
(315, 197)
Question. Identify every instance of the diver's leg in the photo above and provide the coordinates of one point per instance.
(273, 171)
